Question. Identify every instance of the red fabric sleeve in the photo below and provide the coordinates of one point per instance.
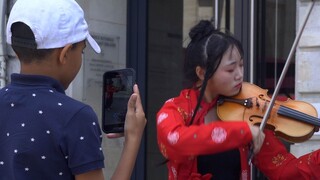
(277, 163)
(178, 141)
(309, 165)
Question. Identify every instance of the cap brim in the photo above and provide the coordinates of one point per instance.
(95, 46)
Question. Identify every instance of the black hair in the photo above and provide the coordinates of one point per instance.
(24, 44)
(206, 49)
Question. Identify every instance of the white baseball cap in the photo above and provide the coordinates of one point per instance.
(54, 23)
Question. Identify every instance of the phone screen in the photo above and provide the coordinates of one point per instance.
(117, 89)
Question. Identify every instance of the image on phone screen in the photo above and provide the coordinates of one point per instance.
(117, 89)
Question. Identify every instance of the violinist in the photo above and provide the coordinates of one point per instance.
(196, 143)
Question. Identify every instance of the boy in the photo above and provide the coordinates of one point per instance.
(45, 134)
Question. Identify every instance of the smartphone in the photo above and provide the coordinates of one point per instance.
(117, 89)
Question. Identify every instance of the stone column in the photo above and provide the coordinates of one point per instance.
(307, 85)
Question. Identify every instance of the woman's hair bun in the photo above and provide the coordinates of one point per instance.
(203, 29)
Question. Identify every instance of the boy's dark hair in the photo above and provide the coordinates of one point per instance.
(24, 44)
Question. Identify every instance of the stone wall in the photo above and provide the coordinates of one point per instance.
(307, 85)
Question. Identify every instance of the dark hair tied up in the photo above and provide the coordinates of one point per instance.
(203, 29)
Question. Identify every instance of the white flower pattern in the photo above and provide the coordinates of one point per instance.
(162, 117)
(218, 135)
(174, 172)
(244, 174)
(169, 100)
(173, 137)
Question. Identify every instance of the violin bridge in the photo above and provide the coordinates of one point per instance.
(264, 107)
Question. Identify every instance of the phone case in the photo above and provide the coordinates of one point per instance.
(117, 89)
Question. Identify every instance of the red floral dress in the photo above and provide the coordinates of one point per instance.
(181, 144)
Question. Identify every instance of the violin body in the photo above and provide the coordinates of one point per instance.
(294, 121)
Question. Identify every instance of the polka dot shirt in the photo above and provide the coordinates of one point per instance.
(45, 134)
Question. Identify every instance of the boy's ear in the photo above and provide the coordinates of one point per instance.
(64, 53)
(200, 72)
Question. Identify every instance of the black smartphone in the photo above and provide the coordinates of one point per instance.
(117, 89)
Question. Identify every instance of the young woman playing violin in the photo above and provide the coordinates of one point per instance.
(193, 139)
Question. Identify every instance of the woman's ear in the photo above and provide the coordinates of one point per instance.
(64, 53)
(200, 72)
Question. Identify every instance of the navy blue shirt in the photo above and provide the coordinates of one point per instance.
(44, 134)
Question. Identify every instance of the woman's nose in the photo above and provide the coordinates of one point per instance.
(239, 73)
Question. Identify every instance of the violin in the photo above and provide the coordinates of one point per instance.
(294, 121)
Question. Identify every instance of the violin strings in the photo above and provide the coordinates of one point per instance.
(285, 111)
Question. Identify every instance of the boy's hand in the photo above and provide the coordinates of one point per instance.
(135, 118)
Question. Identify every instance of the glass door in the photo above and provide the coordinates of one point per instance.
(267, 37)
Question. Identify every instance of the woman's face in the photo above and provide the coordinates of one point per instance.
(227, 79)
